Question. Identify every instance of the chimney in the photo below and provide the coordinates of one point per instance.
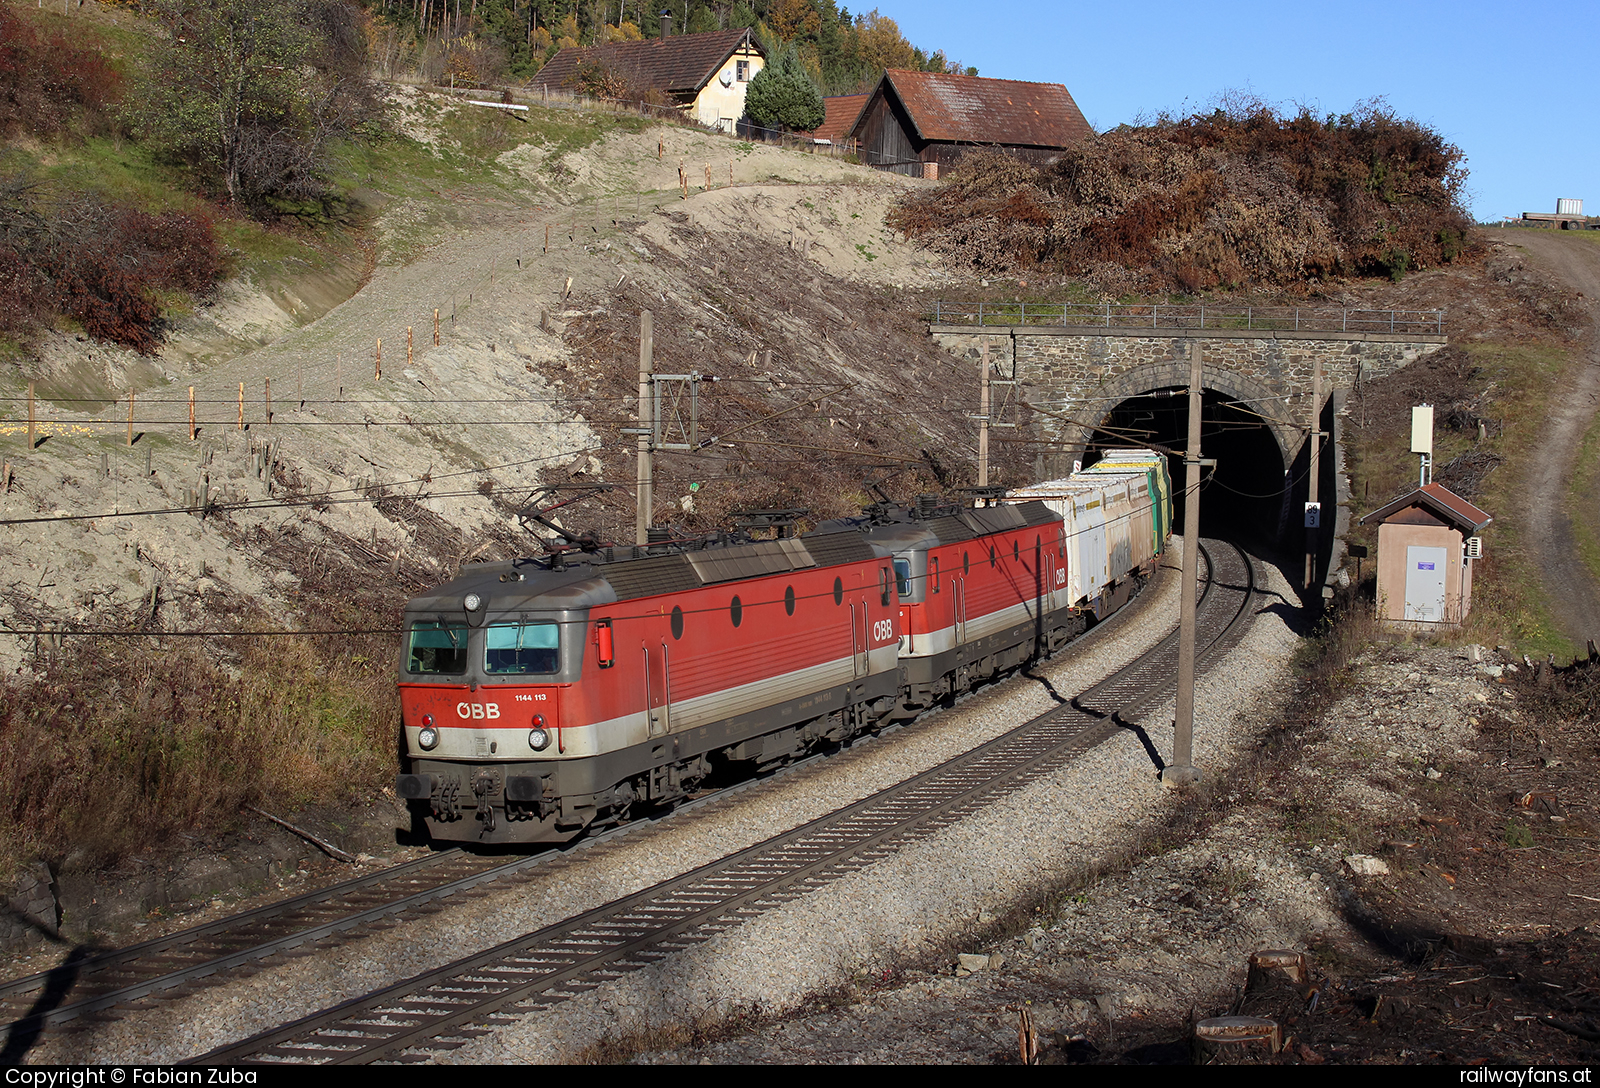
(666, 24)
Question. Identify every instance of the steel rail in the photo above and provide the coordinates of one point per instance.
(236, 928)
(581, 953)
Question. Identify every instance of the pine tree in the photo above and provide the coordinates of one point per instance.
(783, 96)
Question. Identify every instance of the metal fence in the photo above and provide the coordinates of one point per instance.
(1222, 318)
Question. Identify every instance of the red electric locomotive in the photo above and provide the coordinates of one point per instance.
(542, 696)
(981, 590)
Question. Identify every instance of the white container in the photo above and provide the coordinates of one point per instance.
(1568, 206)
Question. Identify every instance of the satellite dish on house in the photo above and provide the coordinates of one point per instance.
(726, 78)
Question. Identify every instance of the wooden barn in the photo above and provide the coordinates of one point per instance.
(919, 122)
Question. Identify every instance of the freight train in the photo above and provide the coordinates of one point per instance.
(543, 697)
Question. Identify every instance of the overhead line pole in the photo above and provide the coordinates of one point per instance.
(646, 493)
(1313, 507)
(983, 416)
(1181, 772)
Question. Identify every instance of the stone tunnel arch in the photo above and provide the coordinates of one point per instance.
(1155, 377)
(1248, 428)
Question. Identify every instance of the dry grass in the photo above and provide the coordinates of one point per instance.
(113, 745)
(645, 1036)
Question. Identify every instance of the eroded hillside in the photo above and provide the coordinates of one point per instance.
(387, 460)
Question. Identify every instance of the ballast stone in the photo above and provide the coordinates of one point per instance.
(1367, 865)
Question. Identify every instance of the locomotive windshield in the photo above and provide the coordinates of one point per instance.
(902, 577)
(521, 648)
(437, 646)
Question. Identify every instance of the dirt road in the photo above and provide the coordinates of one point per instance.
(1573, 594)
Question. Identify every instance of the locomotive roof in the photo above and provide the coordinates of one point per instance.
(900, 529)
(529, 583)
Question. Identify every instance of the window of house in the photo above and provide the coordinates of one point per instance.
(744, 71)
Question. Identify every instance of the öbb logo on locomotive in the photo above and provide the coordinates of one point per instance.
(541, 697)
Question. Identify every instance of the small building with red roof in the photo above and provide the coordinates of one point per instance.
(1425, 554)
(843, 112)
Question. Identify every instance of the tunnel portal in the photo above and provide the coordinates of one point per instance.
(1242, 498)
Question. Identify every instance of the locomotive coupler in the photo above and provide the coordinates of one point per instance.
(484, 786)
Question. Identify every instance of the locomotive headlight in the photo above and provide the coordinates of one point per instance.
(472, 601)
(538, 736)
(428, 736)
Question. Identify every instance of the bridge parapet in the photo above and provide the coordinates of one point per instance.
(1106, 315)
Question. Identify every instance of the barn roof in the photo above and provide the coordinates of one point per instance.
(972, 109)
(843, 112)
(1439, 501)
(686, 62)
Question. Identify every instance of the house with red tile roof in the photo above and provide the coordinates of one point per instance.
(843, 112)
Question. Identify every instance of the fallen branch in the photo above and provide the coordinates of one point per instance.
(326, 847)
(1571, 1029)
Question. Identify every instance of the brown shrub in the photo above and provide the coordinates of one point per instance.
(99, 262)
(1231, 199)
(48, 84)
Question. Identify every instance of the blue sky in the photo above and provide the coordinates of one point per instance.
(1503, 82)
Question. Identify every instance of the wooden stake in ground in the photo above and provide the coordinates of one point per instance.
(408, 345)
(191, 413)
(436, 326)
(32, 441)
(708, 176)
(241, 406)
(730, 171)
(266, 396)
(377, 361)
(338, 373)
(661, 149)
(130, 417)
(547, 237)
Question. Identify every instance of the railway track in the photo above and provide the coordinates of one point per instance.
(444, 1008)
(93, 986)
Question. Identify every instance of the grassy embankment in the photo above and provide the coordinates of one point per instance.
(1510, 386)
